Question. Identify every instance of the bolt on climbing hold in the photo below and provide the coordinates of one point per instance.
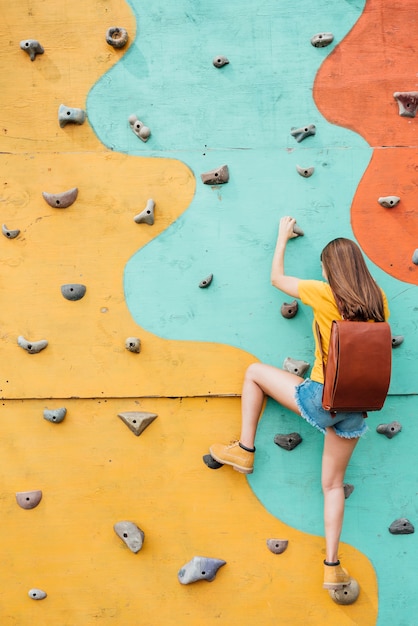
(137, 421)
(397, 340)
(117, 36)
(199, 568)
(348, 490)
(301, 133)
(277, 546)
(37, 594)
(389, 430)
(306, 172)
(220, 61)
(133, 344)
(347, 594)
(295, 367)
(289, 309)
(139, 128)
(10, 234)
(298, 231)
(206, 281)
(130, 534)
(407, 102)
(401, 526)
(61, 200)
(28, 499)
(210, 462)
(55, 415)
(32, 47)
(218, 176)
(73, 291)
(389, 201)
(70, 115)
(288, 442)
(32, 346)
(321, 40)
(415, 257)
(147, 215)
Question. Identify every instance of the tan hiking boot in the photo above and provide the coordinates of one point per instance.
(335, 576)
(240, 459)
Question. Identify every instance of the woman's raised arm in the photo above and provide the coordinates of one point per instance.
(287, 284)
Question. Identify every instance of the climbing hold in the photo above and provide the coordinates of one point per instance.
(70, 115)
(397, 340)
(10, 234)
(289, 309)
(37, 594)
(389, 201)
(210, 462)
(220, 61)
(298, 231)
(218, 176)
(407, 102)
(117, 37)
(295, 367)
(137, 421)
(55, 415)
(347, 594)
(288, 442)
(401, 526)
(139, 128)
(133, 344)
(130, 534)
(206, 281)
(28, 499)
(61, 200)
(32, 47)
(147, 215)
(301, 133)
(322, 39)
(305, 171)
(389, 430)
(348, 490)
(415, 257)
(277, 546)
(73, 291)
(199, 568)
(32, 346)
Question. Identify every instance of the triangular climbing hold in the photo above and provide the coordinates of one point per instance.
(137, 421)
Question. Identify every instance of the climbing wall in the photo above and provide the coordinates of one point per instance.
(140, 191)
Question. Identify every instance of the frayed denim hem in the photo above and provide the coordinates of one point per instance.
(305, 415)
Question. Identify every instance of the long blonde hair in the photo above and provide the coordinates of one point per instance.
(356, 293)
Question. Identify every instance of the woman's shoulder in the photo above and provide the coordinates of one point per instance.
(314, 289)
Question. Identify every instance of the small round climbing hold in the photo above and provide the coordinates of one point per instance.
(32, 47)
(29, 499)
(206, 281)
(289, 309)
(218, 176)
(220, 61)
(397, 340)
(133, 344)
(117, 37)
(73, 291)
(37, 594)
(70, 115)
(130, 534)
(56, 416)
(288, 442)
(61, 200)
(277, 546)
(306, 172)
(139, 128)
(389, 202)
(295, 366)
(389, 430)
(321, 40)
(407, 102)
(401, 526)
(347, 594)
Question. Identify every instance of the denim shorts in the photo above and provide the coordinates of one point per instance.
(309, 400)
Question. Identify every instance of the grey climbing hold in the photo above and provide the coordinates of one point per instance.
(321, 40)
(289, 309)
(137, 421)
(55, 415)
(397, 340)
(415, 257)
(389, 201)
(117, 37)
(220, 61)
(295, 366)
(277, 546)
(218, 176)
(147, 215)
(130, 534)
(301, 133)
(407, 102)
(70, 115)
(347, 594)
(73, 291)
(139, 128)
(401, 526)
(206, 281)
(9, 234)
(37, 594)
(306, 172)
(32, 47)
(133, 344)
(28, 499)
(210, 462)
(389, 430)
(348, 490)
(32, 346)
(199, 568)
(288, 442)
(61, 200)
(298, 231)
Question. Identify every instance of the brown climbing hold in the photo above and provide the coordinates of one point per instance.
(401, 526)
(137, 421)
(288, 442)
(28, 499)
(218, 176)
(289, 309)
(277, 546)
(347, 594)
(407, 102)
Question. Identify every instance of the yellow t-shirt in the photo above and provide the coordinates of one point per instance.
(318, 295)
